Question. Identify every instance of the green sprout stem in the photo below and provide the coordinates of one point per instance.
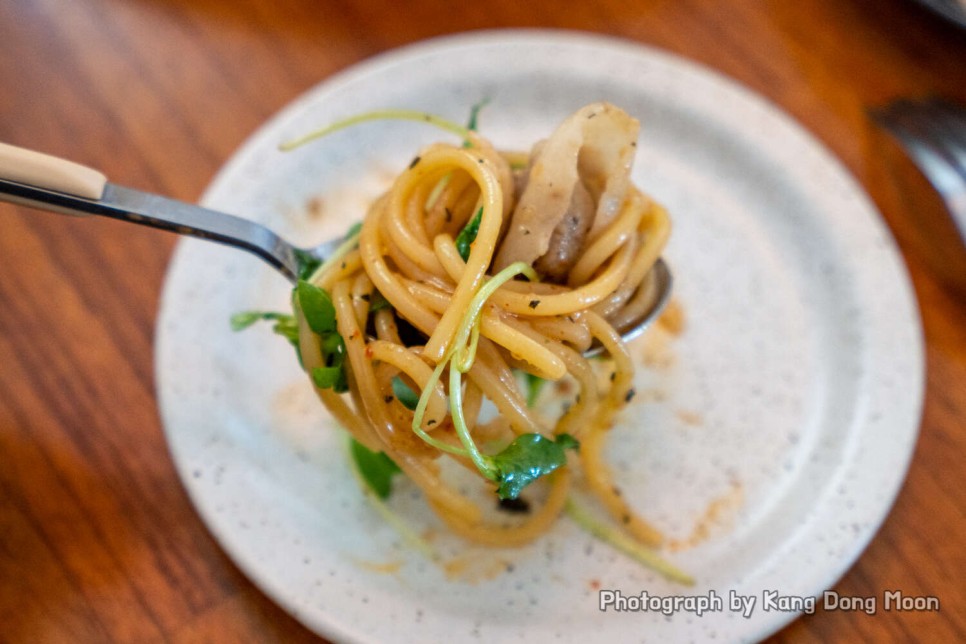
(420, 412)
(613, 536)
(346, 247)
(483, 463)
(404, 115)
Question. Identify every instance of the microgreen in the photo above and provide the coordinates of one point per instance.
(376, 469)
(474, 120)
(378, 302)
(526, 459)
(404, 115)
(534, 387)
(319, 312)
(285, 324)
(468, 235)
(307, 263)
(317, 307)
(403, 393)
(611, 534)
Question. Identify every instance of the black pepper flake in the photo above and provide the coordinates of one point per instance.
(626, 519)
(613, 376)
(388, 399)
(516, 506)
(480, 160)
(412, 164)
(343, 265)
(616, 490)
(365, 297)
(449, 215)
(534, 304)
(526, 231)
(431, 422)
(633, 144)
(591, 115)
(630, 394)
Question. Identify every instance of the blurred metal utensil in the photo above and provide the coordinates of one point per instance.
(932, 132)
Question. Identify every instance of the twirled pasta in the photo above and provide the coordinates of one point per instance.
(598, 272)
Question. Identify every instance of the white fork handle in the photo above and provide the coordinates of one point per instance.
(50, 172)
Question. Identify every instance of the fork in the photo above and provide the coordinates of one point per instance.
(932, 131)
(50, 183)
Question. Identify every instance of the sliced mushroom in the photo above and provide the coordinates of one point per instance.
(591, 152)
(568, 237)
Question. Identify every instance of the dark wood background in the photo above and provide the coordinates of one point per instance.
(98, 541)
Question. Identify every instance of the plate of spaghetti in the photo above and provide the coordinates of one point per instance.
(441, 432)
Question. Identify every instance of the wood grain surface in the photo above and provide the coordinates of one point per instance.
(98, 540)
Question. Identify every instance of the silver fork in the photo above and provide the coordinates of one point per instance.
(932, 131)
(50, 183)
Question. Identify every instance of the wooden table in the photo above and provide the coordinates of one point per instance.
(98, 540)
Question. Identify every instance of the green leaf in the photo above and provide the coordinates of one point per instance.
(245, 319)
(567, 441)
(534, 386)
(404, 393)
(333, 353)
(326, 377)
(468, 235)
(333, 350)
(526, 459)
(307, 263)
(354, 230)
(317, 307)
(376, 468)
(378, 302)
(285, 323)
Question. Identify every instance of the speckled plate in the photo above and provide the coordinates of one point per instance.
(768, 438)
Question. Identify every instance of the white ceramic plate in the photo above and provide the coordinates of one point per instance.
(770, 437)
